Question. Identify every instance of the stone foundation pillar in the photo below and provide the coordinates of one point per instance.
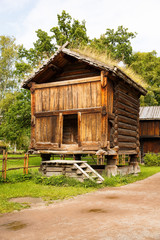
(134, 162)
(111, 168)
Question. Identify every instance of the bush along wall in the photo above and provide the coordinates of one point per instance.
(152, 159)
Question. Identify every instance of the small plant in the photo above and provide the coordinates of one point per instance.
(152, 159)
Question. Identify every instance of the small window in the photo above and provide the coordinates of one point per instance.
(70, 129)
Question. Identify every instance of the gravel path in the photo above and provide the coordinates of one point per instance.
(124, 213)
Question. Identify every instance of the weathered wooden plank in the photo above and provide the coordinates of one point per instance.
(104, 118)
(80, 92)
(38, 100)
(38, 130)
(122, 138)
(33, 106)
(130, 91)
(126, 120)
(93, 94)
(60, 128)
(68, 82)
(77, 76)
(126, 145)
(124, 106)
(75, 96)
(126, 132)
(124, 95)
(110, 96)
(79, 128)
(126, 114)
(98, 94)
(127, 126)
(47, 145)
(55, 129)
(69, 111)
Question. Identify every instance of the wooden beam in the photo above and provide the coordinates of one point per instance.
(104, 122)
(60, 129)
(79, 129)
(33, 127)
(70, 111)
(68, 82)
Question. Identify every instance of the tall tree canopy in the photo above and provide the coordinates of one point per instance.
(71, 30)
(148, 66)
(116, 43)
(8, 56)
(16, 111)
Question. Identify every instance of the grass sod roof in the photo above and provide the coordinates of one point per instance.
(100, 61)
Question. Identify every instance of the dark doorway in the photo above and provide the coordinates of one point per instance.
(70, 129)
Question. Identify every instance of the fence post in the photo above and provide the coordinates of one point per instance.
(5, 167)
(24, 169)
(3, 164)
(27, 163)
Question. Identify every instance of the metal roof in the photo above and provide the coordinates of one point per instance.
(149, 113)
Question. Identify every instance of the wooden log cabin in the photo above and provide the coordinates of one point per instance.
(150, 129)
(80, 105)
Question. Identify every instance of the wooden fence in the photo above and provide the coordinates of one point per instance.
(6, 158)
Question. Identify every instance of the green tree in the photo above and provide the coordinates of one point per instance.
(70, 30)
(43, 49)
(148, 66)
(116, 43)
(8, 56)
(16, 111)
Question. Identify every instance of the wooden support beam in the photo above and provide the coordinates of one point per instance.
(104, 122)
(68, 82)
(69, 111)
(60, 129)
(79, 129)
(33, 128)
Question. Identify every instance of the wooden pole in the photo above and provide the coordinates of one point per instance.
(27, 163)
(123, 159)
(5, 167)
(3, 164)
(24, 169)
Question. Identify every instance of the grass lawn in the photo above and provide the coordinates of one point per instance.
(20, 185)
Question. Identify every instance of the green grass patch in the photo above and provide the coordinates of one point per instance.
(53, 188)
(123, 180)
(31, 189)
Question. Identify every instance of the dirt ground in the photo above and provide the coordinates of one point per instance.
(125, 213)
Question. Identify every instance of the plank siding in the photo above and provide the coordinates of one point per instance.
(86, 95)
(90, 132)
(47, 129)
(150, 128)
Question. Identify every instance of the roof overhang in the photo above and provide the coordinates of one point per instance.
(52, 64)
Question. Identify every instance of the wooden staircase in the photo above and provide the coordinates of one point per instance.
(80, 170)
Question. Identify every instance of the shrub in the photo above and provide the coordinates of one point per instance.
(152, 159)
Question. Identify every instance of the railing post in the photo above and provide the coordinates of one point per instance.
(3, 163)
(5, 167)
(27, 163)
(24, 169)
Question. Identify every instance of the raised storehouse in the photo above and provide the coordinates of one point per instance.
(80, 106)
(150, 129)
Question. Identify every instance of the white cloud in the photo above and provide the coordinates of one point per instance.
(141, 16)
(12, 5)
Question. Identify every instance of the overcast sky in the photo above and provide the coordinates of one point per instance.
(21, 18)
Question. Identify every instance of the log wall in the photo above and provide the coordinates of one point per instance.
(126, 107)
